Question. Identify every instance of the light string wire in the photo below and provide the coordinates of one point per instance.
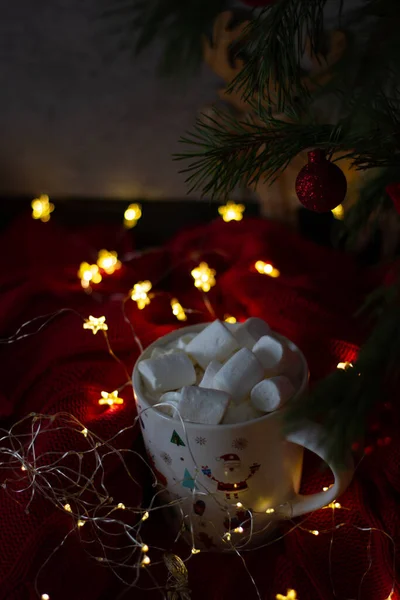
(58, 495)
(64, 483)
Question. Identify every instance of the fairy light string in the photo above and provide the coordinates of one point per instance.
(82, 508)
(100, 510)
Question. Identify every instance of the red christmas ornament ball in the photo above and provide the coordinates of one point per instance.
(320, 185)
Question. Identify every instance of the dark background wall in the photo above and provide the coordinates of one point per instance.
(74, 120)
(78, 119)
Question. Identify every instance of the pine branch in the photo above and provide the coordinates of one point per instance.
(343, 401)
(231, 152)
(179, 24)
(274, 43)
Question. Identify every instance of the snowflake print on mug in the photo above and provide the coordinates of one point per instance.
(240, 443)
(201, 440)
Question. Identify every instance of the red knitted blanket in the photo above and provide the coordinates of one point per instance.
(64, 368)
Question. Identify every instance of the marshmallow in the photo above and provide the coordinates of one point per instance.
(199, 374)
(201, 405)
(294, 367)
(171, 401)
(164, 351)
(209, 374)
(249, 332)
(214, 342)
(271, 394)
(271, 354)
(184, 340)
(239, 375)
(232, 326)
(157, 352)
(238, 413)
(167, 372)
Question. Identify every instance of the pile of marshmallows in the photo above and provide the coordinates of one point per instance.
(224, 374)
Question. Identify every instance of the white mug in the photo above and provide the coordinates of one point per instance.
(229, 484)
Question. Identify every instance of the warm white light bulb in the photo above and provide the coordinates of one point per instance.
(344, 366)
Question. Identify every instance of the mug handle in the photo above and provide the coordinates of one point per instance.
(312, 436)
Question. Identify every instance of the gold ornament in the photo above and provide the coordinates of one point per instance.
(178, 578)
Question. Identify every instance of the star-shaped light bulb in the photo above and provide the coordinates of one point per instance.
(290, 595)
(232, 211)
(204, 277)
(333, 505)
(266, 269)
(338, 212)
(95, 324)
(41, 208)
(110, 398)
(108, 261)
(344, 366)
(89, 274)
(132, 215)
(230, 319)
(139, 293)
(178, 310)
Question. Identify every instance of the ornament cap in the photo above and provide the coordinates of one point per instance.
(316, 155)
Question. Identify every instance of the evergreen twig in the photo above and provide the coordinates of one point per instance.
(274, 43)
(231, 152)
(343, 401)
